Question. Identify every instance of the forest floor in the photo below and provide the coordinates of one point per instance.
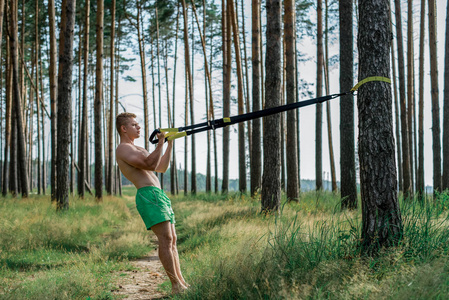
(144, 281)
(310, 249)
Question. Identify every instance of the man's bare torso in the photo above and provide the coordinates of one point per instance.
(140, 178)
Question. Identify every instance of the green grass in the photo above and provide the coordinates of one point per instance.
(308, 251)
(75, 254)
(228, 249)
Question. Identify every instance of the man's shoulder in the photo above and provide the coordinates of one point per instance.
(125, 148)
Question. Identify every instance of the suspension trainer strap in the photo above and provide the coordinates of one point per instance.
(174, 133)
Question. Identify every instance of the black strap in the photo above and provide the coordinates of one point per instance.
(223, 122)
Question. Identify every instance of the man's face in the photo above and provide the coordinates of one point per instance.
(132, 128)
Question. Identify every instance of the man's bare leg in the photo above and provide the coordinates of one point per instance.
(165, 237)
(176, 257)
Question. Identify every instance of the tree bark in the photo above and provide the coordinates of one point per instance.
(328, 105)
(38, 167)
(347, 144)
(82, 151)
(396, 117)
(445, 183)
(410, 88)
(98, 102)
(226, 34)
(241, 125)
(292, 158)
(18, 102)
(111, 104)
(420, 178)
(65, 103)
(319, 93)
(173, 168)
(53, 95)
(246, 70)
(436, 135)
(190, 92)
(44, 163)
(256, 154)
(381, 218)
(407, 184)
(144, 74)
(271, 184)
(8, 112)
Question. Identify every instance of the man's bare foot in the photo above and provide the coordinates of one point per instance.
(178, 288)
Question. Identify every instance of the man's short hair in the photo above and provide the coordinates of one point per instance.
(123, 119)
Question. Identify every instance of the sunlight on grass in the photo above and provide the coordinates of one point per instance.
(309, 250)
(228, 249)
(46, 254)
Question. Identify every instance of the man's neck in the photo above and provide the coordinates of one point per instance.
(125, 139)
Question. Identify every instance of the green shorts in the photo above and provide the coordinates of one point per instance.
(154, 206)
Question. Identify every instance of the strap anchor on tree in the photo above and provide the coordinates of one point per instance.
(175, 133)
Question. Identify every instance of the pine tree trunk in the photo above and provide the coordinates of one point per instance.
(18, 103)
(226, 41)
(38, 167)
(82, 151)
(190, 93)
(186, 144)
(173, 171)
(241, 125)
(319, 91)
(111, 106)
(410, 88)
(347, 144)
(4, 162)
(118, 175)
(404, 127)
(298, 127)
(436, 135)
(396, 117)
(30, 130)
(271, 185)
(13, 151)
(328, 105)
(292, 159)
(445, 183)
(161, 175)
(44, 164)
(8, 113)
(381, 218)
(53, 95)
(256, 154)
(65, 103)
(98, 102)
(246, 71)
(144, 74)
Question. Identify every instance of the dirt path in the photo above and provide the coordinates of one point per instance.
(143, 282)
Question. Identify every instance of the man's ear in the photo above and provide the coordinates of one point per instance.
(123, 128)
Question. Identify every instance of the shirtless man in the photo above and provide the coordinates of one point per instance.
(138, 165)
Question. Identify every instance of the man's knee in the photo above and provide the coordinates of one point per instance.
(166, 239)
(174, 239)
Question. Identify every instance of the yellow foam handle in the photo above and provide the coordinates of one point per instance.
(368, 79)
(168, 129)
(176, 136)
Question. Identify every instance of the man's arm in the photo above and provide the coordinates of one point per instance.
(135, 158)
(165, 159)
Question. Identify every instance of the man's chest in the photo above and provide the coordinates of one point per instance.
(142, 150)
